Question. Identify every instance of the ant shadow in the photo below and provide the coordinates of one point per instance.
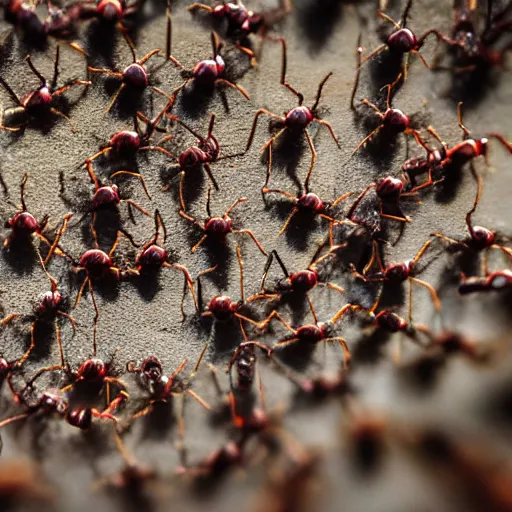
(157, 423)
(44, 337)
(384, 70)
(225, 337)
(423, 374)
(20, 255)
(446, 191)
(317, 21)
(297, 356)
(369, 349)
(193, 186)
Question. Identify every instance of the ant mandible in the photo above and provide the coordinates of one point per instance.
(219, 227)
(134, 77)
(296, 120)
(205, 153)
(153, 256)
(39, 103)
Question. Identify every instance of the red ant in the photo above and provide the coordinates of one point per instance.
(402, 40)
(109, 11)
(39, 103)
(50, 305)
(153, 256)
(295, 120)
(393, 120)
(206, 73)
(313, 333)
(222, 308)
(205, 153)
(479, 238)
(125, 144)
(493, 281)
(397, 273)
(107, 196)
(219, 227)
(241, 21)
(135, 76)
(307, 202)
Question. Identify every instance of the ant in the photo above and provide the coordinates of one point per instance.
(107, 196)
(51, 305)
(125, 144)
(206, 73)
(313, 333)
(402, 41)
(307, 202)
(222, 308)
(219, 227)
(397, 273)
(205, 153)
(39, 103)
(134, 77)
(241, 21)
(22, 481)
(153, 257)
(109, 11)
(479, 238)
(393, 120)
(295, 120)
(492, 281)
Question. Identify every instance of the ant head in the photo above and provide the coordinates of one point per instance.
(389, 188)
(125, 143)
(398, 272)
(110, 10)
(39, 99)
(222, 307)
(402, 41)
(482, 237)
(107, 195)
(192, 157)
(219, 10)
(152, 257)
(92, 370)
(304, 280)
(389, 321)
(80, 418)
(151, 368)
(23, 223)
(395, 120)
(207, 71)
(49, 303)
(135, 76)
(312, 202)
(51, 401)
(298, 118)
(312, 333)
(95, 262)
(218, 226)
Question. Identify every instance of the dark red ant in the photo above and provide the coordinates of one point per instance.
(493, 281)
(109, 11)
(205, 153)
(135, 76)
(21, 481)
(206, 73)
(39, 103)
(313, 333)
(51, 305)
(222, 308)
(393, 120)
(241, 21)
(479, 238)
(308, 202)
(402, 41)
(219, 227)
(295, 120)
(107, 196)
(153, 257)
(397, 273)
(125, 144)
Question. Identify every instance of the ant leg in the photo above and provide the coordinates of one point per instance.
(241, 266)
(31, 347)
(93, 229)
(80, 292)
(182, 200)
(273, 139)
(58, 113)
(159, 149)
(394, 217)
(96, 155)
(377, 50)
(341, 198)
(188, 279)
(269, 168)
(9, 129)
(148, 56)
(368, 103)
(279, 191)
(331, 131)
(357, 201)
(387, 18)
(263, 324)
(190, 219)
(11, 93)
(332, 286)
(201, 242)
(465, 131)
(431, 289)
(254, 239)
(114, 98)
(420, 253)
(367, 139)
(208, 171)
(96, 318)
(285, 343)
(239, 88)
(246, 319)
(199, 400)
(135, 175)
(313, 159)
(448, 239)
(507, 145)
(114, 74)
(70, 318)
(344, 347)
(12, 419)
(319, 91)
(284, 62)
(479, 182)
(56, 243)
(294, 211)
(59, 341)
(9, 318)
(359, 52)
(236, 203)
(342, 311)
(137, 207)
(426, 64)
(196, 6)
(312, 309)
(67, 87)
(255, 122)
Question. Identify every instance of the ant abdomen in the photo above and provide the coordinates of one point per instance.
(80, 418)
(135, 76)
(298, 118)
(312, 202)
(402, 41)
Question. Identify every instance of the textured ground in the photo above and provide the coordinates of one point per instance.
(469, 401)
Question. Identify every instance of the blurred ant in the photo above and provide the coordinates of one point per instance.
(242, 22)
(153, 257)
(207, 74)
(312, 333)
(50, 306)
(493, 281)
(443, 160)
(479, 238)
(295, 120)
(222, 308)
(205, 153)
(38, 103)
(393, 120)
(22, 481)
(134, 77)
(402, 41)
(306, 203)
(107, 11)
(219, 227)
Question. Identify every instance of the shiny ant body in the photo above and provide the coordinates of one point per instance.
(493, 281)
(107, 11)
(296, 120)
(38, 104)
(219, 227)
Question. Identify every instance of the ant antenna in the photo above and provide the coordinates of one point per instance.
(208, 211)
(359, 53)
(319, 92)
(159, 222)
(56, 68)
(22, 192)
(34, 70)
(406, 13)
